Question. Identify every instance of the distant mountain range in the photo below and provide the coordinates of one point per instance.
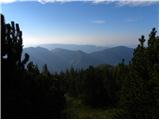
(59, 59)
(84, 48)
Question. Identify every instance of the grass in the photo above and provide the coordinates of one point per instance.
(75, 109)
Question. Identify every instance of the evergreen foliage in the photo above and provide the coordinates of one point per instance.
(26, 93)
(141, 89)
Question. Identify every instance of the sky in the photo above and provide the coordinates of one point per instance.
(93, 22)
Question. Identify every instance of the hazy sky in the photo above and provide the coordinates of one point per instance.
(96, 22)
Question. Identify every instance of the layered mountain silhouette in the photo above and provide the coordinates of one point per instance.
(84, 48)
(59, 59)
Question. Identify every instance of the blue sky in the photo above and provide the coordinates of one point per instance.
(77, 22)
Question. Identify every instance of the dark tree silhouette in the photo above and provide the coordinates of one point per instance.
(140, 90)
(12, 66)
(26, 93)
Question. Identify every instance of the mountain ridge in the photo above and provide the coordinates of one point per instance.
(60, 59)
(84, 48)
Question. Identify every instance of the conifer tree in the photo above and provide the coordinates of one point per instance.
(26, 93)
(140, 95)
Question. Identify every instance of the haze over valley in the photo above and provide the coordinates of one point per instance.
(81, 57)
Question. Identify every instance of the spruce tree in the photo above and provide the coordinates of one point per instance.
(139, 95)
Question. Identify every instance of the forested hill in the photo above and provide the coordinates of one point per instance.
(59, 59)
